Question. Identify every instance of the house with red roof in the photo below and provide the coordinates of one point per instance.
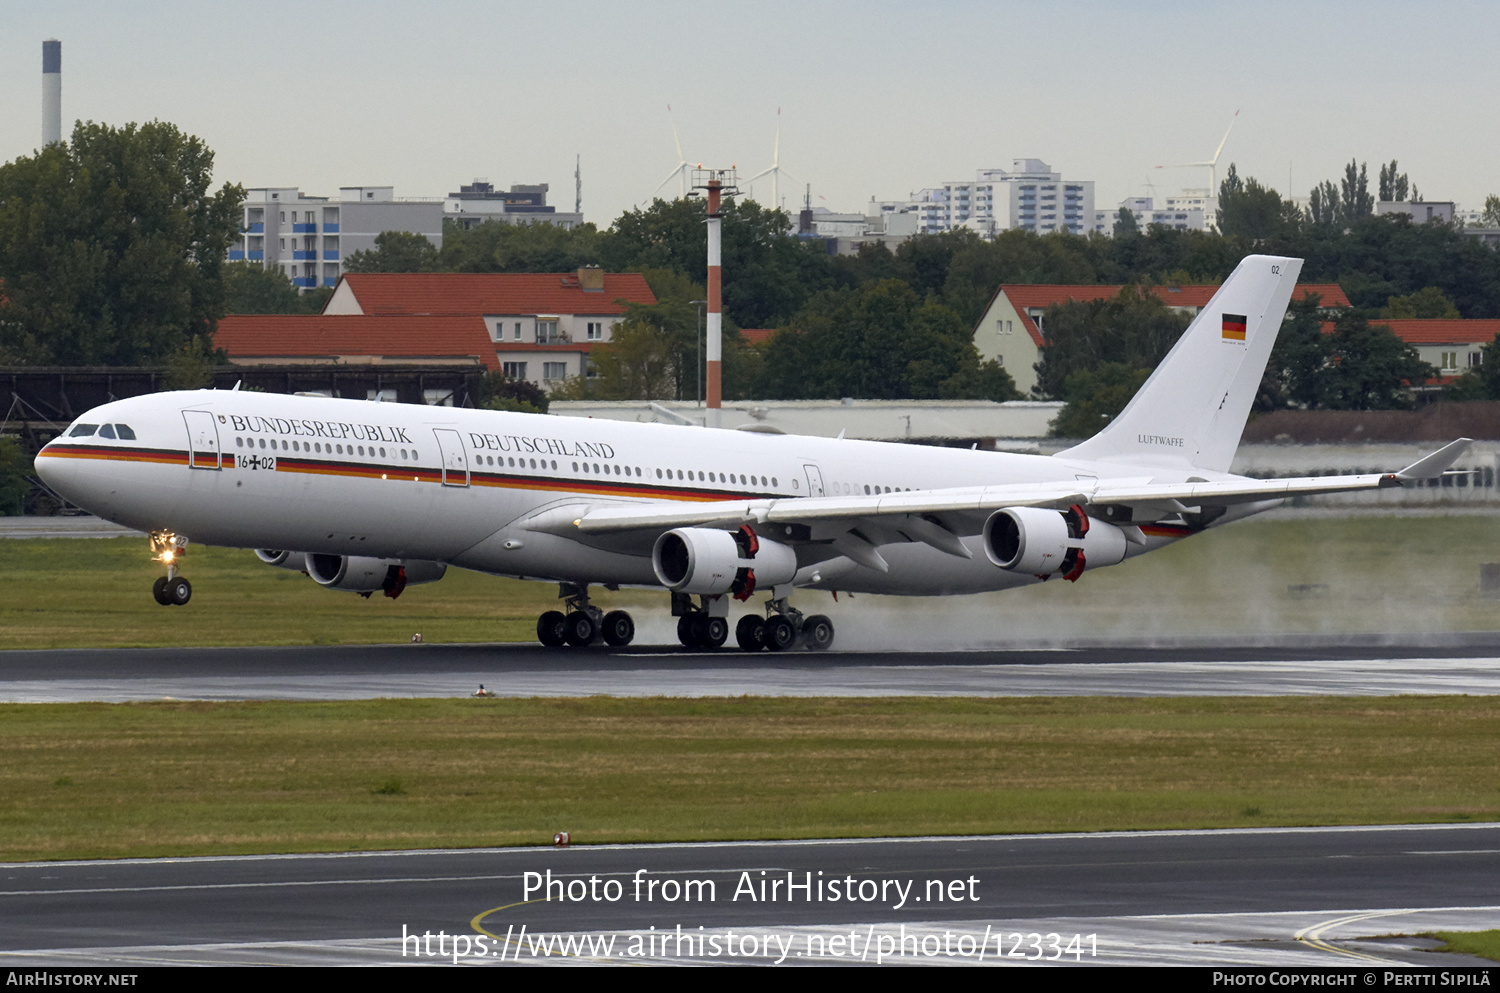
(539, 327)
(347, 339)
(1451, 345)
(1011, 330)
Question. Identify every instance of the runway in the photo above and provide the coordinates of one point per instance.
(1457, 664)
(1270, 897)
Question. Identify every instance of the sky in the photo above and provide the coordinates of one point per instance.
(875, 99)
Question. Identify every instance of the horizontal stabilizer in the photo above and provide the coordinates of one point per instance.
(1439, 462)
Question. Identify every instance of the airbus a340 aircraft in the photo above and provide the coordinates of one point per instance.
(369, 497)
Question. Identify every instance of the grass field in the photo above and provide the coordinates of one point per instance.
(98, 780)
(1365, 574)
(1485, 944)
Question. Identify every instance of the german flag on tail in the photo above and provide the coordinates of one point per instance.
(1234, 327)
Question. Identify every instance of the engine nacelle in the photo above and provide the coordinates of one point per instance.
(709, 561)
(295, 561)
(362, 574)
(1046, 542)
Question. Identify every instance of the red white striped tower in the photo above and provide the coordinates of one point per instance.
(718, 183)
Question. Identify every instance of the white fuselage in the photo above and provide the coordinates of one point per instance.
(459, 486)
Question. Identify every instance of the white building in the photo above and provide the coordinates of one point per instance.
(309, 237)
(1420, 212)
(1030, 197)
(888, 224)
(1185, 213)
(521, 204)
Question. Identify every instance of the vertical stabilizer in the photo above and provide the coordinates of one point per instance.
(1192, 410)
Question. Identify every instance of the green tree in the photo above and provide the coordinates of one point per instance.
(251, 288)
(1393, 185)
(768, 272)
(1134, 328)
(1355, 201)
(15, 477)
(496, 392)
(1250, 210)
(1323, 205)
(396, 251)
(1491, 215)
(879, 341)
(653, 353)
(1293, 375)
(1095, 397)
(1483, 381)
(191, 367)
(1369, 368)
(112, 247)
(501, 247)
(977, 267)
(1429, 302)
(643, 361)
(1125, 223)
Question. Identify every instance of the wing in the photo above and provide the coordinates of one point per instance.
(856, 525)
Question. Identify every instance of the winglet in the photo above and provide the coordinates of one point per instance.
(1439, 462)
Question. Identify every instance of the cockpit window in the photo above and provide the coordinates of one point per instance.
(125, 433)
(107, 431)
(82, 430)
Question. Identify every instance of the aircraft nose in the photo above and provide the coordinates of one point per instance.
(61, 474)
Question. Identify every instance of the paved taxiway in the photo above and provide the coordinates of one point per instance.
(1458, 664)
(1222, 897)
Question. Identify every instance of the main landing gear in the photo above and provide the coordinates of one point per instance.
(704, 625)
(583, 623)
(170, 590)
(783, 628)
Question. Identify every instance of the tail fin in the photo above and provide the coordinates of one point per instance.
(1192, 410)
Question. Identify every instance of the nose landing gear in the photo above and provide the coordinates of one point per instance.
(170, 590)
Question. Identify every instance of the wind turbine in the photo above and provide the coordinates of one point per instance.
(681, 170)
(775, 170)
(1212, 164)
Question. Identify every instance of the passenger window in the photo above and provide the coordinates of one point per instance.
(239, 443)
(83, 430)
(124, 432)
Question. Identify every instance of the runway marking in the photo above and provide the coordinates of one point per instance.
(1461, 851)
(1313, 936)
(251, 886)
(773, 843)
(1319, 913)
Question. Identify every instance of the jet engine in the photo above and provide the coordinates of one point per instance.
(364, 575)
(1045, 542)
(295, 561)
(710, 561)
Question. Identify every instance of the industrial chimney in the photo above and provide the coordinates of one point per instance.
(51, 91)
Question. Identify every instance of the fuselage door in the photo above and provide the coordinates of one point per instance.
(203, 439)
(455, 459)
(814, 480)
